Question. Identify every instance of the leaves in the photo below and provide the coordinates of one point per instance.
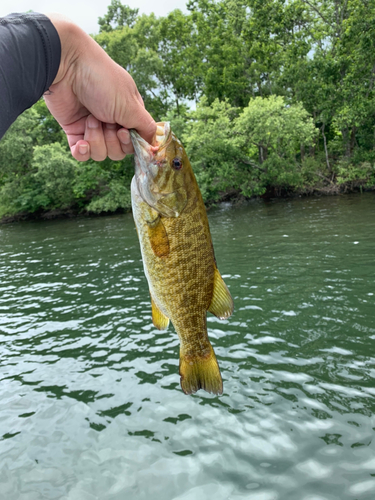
(42, 178)
(267, 96)
(250, 149)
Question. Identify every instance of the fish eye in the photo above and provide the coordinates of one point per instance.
(177, 163)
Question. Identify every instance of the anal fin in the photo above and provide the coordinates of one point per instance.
(222, 302)
(159, 319)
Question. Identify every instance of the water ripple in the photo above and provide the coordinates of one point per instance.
(91, 405)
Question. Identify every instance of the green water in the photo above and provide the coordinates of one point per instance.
(90, 402)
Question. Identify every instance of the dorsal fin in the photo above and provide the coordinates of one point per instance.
(222, 302)
(159, 319)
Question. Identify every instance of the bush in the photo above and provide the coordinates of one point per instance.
(355, 176)
(249, 150)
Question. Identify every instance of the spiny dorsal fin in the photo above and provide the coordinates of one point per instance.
(159, 319)
(158, 238)
(222, 302)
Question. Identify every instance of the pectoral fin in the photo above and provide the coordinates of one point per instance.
(158, 238)
(159, 319)
(222, 302)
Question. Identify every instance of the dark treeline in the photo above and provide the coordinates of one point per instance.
(268, 96)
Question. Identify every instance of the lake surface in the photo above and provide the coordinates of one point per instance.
(90, 401)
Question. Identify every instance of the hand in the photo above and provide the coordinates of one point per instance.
(95, 100)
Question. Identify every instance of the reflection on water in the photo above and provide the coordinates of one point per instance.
(90, 402)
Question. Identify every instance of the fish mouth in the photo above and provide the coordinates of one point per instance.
(145, 151)
(146, 169)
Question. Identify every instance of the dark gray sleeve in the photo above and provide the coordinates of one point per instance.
(30, 53)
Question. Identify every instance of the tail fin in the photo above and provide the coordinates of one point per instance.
(200, 372)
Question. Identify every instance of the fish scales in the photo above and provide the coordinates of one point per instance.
(183, 281)
(178, 256)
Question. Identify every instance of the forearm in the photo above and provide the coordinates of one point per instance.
(30, 53)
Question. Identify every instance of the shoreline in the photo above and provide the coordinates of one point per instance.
(233, 197)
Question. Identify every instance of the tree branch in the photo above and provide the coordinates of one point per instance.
(318, 12)
(324, 177)
(248, 162)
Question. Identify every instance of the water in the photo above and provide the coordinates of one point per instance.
(90, 402)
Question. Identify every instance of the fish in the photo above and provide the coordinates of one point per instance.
(178, 255)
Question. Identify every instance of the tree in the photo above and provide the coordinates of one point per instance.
(250, 150)
(118, 15)
(45, 184)
(16, 147)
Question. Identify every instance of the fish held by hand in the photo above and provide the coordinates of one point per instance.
(178, 255)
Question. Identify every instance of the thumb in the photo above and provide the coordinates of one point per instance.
(145, 126)
(139, 118)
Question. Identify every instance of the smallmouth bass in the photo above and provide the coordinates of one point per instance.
(178, 255)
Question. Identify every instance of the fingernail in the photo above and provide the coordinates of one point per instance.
(92, 122)
(111, 126)
(124, 136)
(83, 148)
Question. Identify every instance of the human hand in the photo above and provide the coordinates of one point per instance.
(93, 99)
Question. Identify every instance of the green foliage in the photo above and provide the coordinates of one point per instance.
(117, 196)
(117, 15)
(135, 49)
(275, 128)
(248, 150)
(16, 147)
(362, 175)
(318, 54)
(48, 130)
(179, 119)
(41, 178)
(53, 177)
(210, 147)
(283, 93)
(46, 184)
